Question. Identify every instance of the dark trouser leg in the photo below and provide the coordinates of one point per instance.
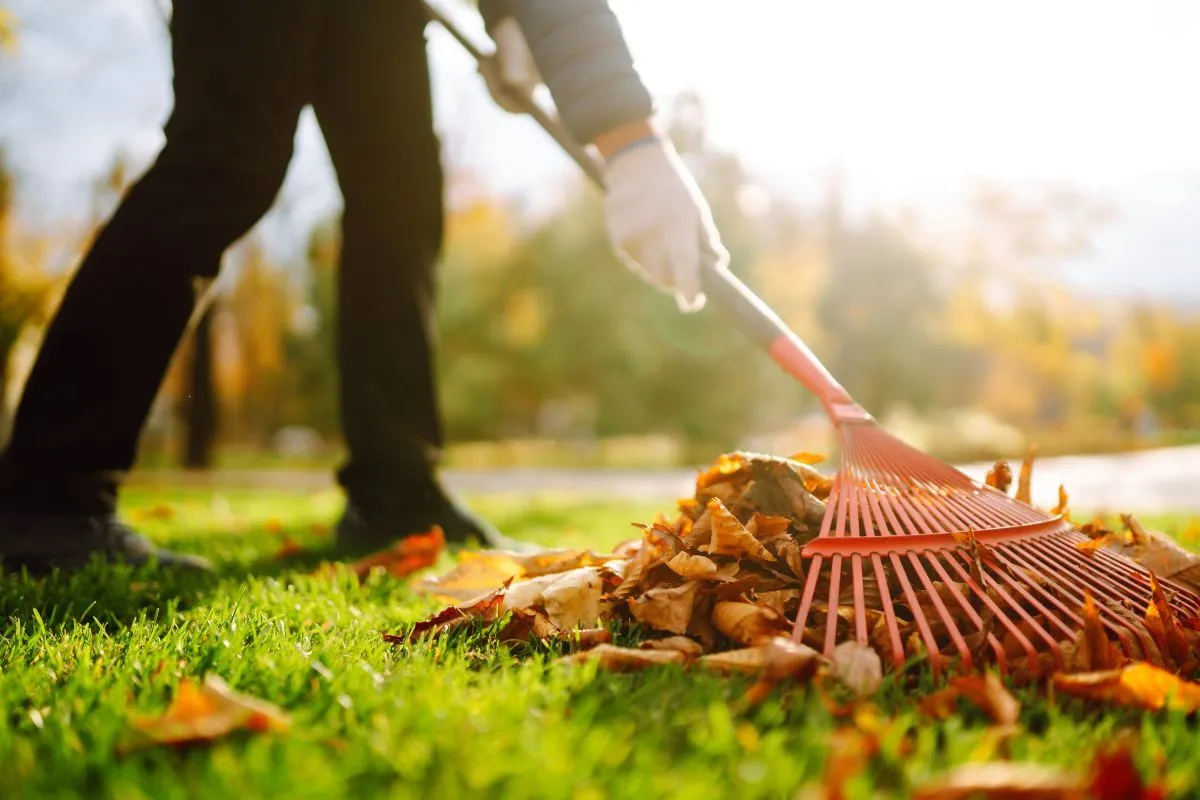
(241, 68)
(372, 98)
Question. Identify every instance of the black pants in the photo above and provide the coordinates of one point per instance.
(243, 71)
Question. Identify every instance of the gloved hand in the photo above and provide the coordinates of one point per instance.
(658, 221)
(511, 67)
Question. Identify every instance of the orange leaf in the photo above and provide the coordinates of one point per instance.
(1000, 476)
(1090, 547)
(206, 712)
(1160, 620)
(1063, 506)
(1094, 649)
(805, 457)
(1139, 685)
(1004, 779)
(410, 554)
(1025, 478)
(730, 537)
(289, 548)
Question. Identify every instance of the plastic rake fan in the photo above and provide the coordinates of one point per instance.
(911, 547)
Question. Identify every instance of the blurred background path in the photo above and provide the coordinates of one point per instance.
(1149, 481)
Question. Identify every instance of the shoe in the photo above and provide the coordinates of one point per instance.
(42, 542)
(361, 532)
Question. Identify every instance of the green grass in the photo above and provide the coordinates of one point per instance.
(81, 656)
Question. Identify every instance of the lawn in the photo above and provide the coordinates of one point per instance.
(81, 657)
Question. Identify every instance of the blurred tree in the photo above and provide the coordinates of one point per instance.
(24, 292)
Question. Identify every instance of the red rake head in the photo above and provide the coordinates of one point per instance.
(916, 558)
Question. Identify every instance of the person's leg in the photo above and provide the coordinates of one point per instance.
(240, 79)
(371, 94)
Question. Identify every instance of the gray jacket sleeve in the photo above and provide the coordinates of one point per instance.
(580, 50)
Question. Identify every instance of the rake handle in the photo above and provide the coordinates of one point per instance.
(748, 311)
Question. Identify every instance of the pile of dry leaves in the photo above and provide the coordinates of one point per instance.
(720, 586)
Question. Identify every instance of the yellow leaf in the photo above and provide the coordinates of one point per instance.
(207, 712)
(1139, 685)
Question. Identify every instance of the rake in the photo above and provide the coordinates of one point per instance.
(913, 556)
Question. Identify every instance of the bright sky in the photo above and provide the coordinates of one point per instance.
(910, 99)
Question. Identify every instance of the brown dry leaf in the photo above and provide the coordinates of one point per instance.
(942, 704)
(1089, 547)
(727, 466)
(1093, 650)
(765, 527)
(1139, 685)
(858, 667)
(776, 659)
(528, 623)
(686, 565)
(624, 659)
(288, 549)
(410, 554)
(666, 608)
(748, 623)
(682, 644)
(477, 571)
(551, 561)
(1137, 534)
(988, 693)
(730, 537)
(574, 598)
(1005, 780)
(1161, 622)
(1000, 476)
(1025, 477)
(207, 712)
(487, 608)
(1115, 776)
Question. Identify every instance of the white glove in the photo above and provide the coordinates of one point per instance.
(512, 68)
(658, 221)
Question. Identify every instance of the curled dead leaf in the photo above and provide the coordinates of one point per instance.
(665, 608)
(682, 644)
(1025, 477)
(207, 712)
(1000, 476)
(1138, 685)
(730, 537)
(858, 667)
(748, 623)
(624, 659)
(1009, 780)
(410, 554)
(686, 565)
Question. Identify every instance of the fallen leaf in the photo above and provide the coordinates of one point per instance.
(665, 608)
(1026, 476)
(989, 694)
(288, 549)
(858, 667)
(273, 525)
(1063, 508)
(805, 457)
(776, 659)
(748, 623)
(1093, 650)
(1138, 685)
(487, 608)
(408, 555)
(681, 644)
(1160, 621)
(730, 537)
(574, 598)
(1089, 547)
(476, 572)
(1000, 476)
(1115, 776)
(690, 566)
(207, 712)
(624, 659)
(1004, 780)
